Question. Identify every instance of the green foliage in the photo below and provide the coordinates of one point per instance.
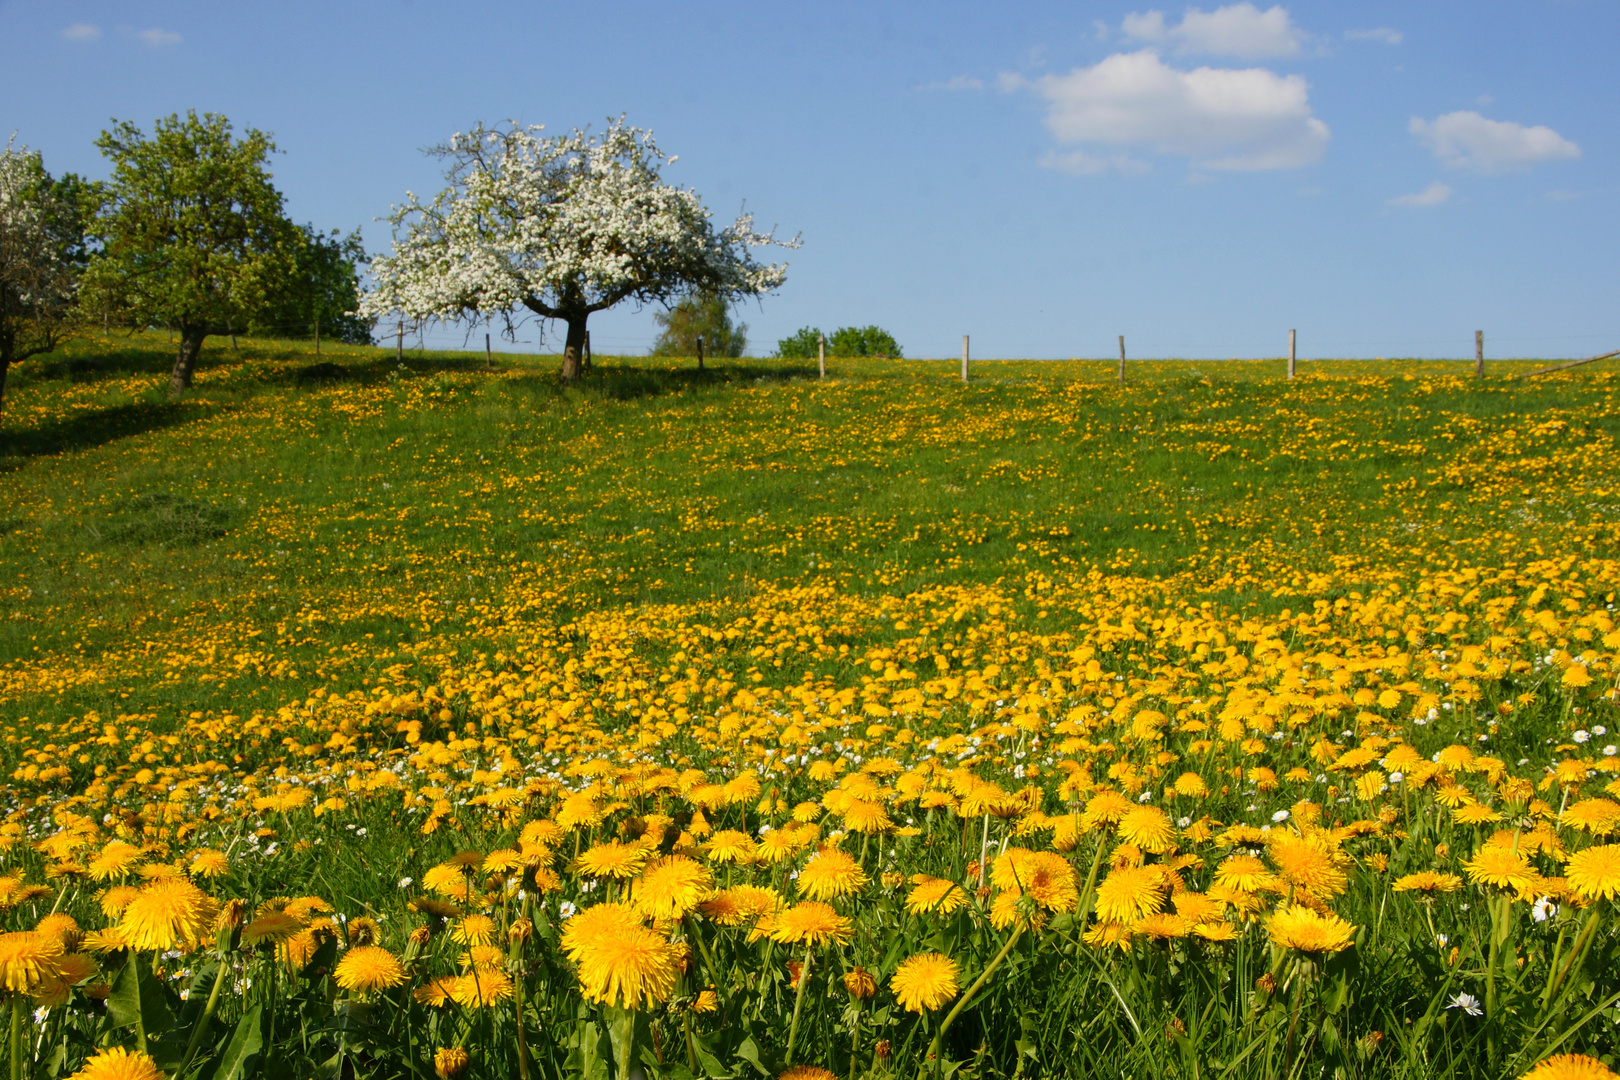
(324, 285)
(700, 315)
(863, 341)
(846, 341)
(803, 345)
(193, 234)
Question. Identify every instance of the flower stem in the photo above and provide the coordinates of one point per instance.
(16, 1036)
(202, 1021)
(798, 1003)
(967, 997)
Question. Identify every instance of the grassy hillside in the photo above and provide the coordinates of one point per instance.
(1066, 648)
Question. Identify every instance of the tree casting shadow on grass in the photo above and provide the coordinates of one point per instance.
(85, 430)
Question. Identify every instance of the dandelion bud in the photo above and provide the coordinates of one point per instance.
(883, 1050)
(1389, 815)
(232, 915)
(421, 936)
(860, 983)
(1441, 851)
(1265, 983)
(1451, 961)
(450, 1062)
(520, 931)
(794, 968)
(706, 1002)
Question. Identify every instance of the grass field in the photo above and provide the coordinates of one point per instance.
(1212, 725)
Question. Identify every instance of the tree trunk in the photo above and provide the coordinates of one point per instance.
(185, 360)
(573, 349)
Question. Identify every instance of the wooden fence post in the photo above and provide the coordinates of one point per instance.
(1479, 354)
(1122, 359)
(489, 360)
(586, 359)
(821, 353)
(1291, 354)
(700, 352)
(964, 358)
(399, 343)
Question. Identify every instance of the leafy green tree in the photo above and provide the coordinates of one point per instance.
(193, 232)
(42, 252)
(863, 341)
(801, 346)
(699, 315)
(324, 288)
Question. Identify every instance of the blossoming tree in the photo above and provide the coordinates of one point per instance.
(562, 226)
(38, 271)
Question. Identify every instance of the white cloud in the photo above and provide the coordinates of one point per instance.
(1241, 31)
(957, 82)
(1467, 140)
(1433, 195)
(156, 37)
(82, 32)
(1378, 33)
(1219, 118)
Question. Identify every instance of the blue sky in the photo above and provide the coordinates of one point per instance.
(1384, 177)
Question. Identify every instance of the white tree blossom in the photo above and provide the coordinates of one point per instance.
(562, 226)
(37, 282)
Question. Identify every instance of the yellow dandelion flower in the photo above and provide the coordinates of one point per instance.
(730, 846)
(934, 894)
(1570, 1067)
(63, 927)
(1129, 893)
(366, 969)
(1502, 867)
(860, 983)
(1600, 817)
(1594, 874)
(1306, 862)
(207, 863)
(829, 874)
(118, 1064)
(451, 1062)
(170, 913)
(1297, 927)
(114, 900)
(117, 859)
(1215, 931)
(671, 887)
(1162, 926)
(475, 930)
(592, 922)
(630, 967)
(812, 923)
(1244, 872)
(480, 987)
(1148, 828)
(925, 982)
(806, 1072)
(271, 928)
(1427, 881)
(611, 860)
(28, 959)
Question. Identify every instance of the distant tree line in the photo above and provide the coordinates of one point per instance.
(188, 233)
(845, 341)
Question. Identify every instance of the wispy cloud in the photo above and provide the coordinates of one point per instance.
(158, 38)
(1467, 140)
(1241, 31)
(1378, 33)
(1433, 195)
(957, 82)
(82, 32)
